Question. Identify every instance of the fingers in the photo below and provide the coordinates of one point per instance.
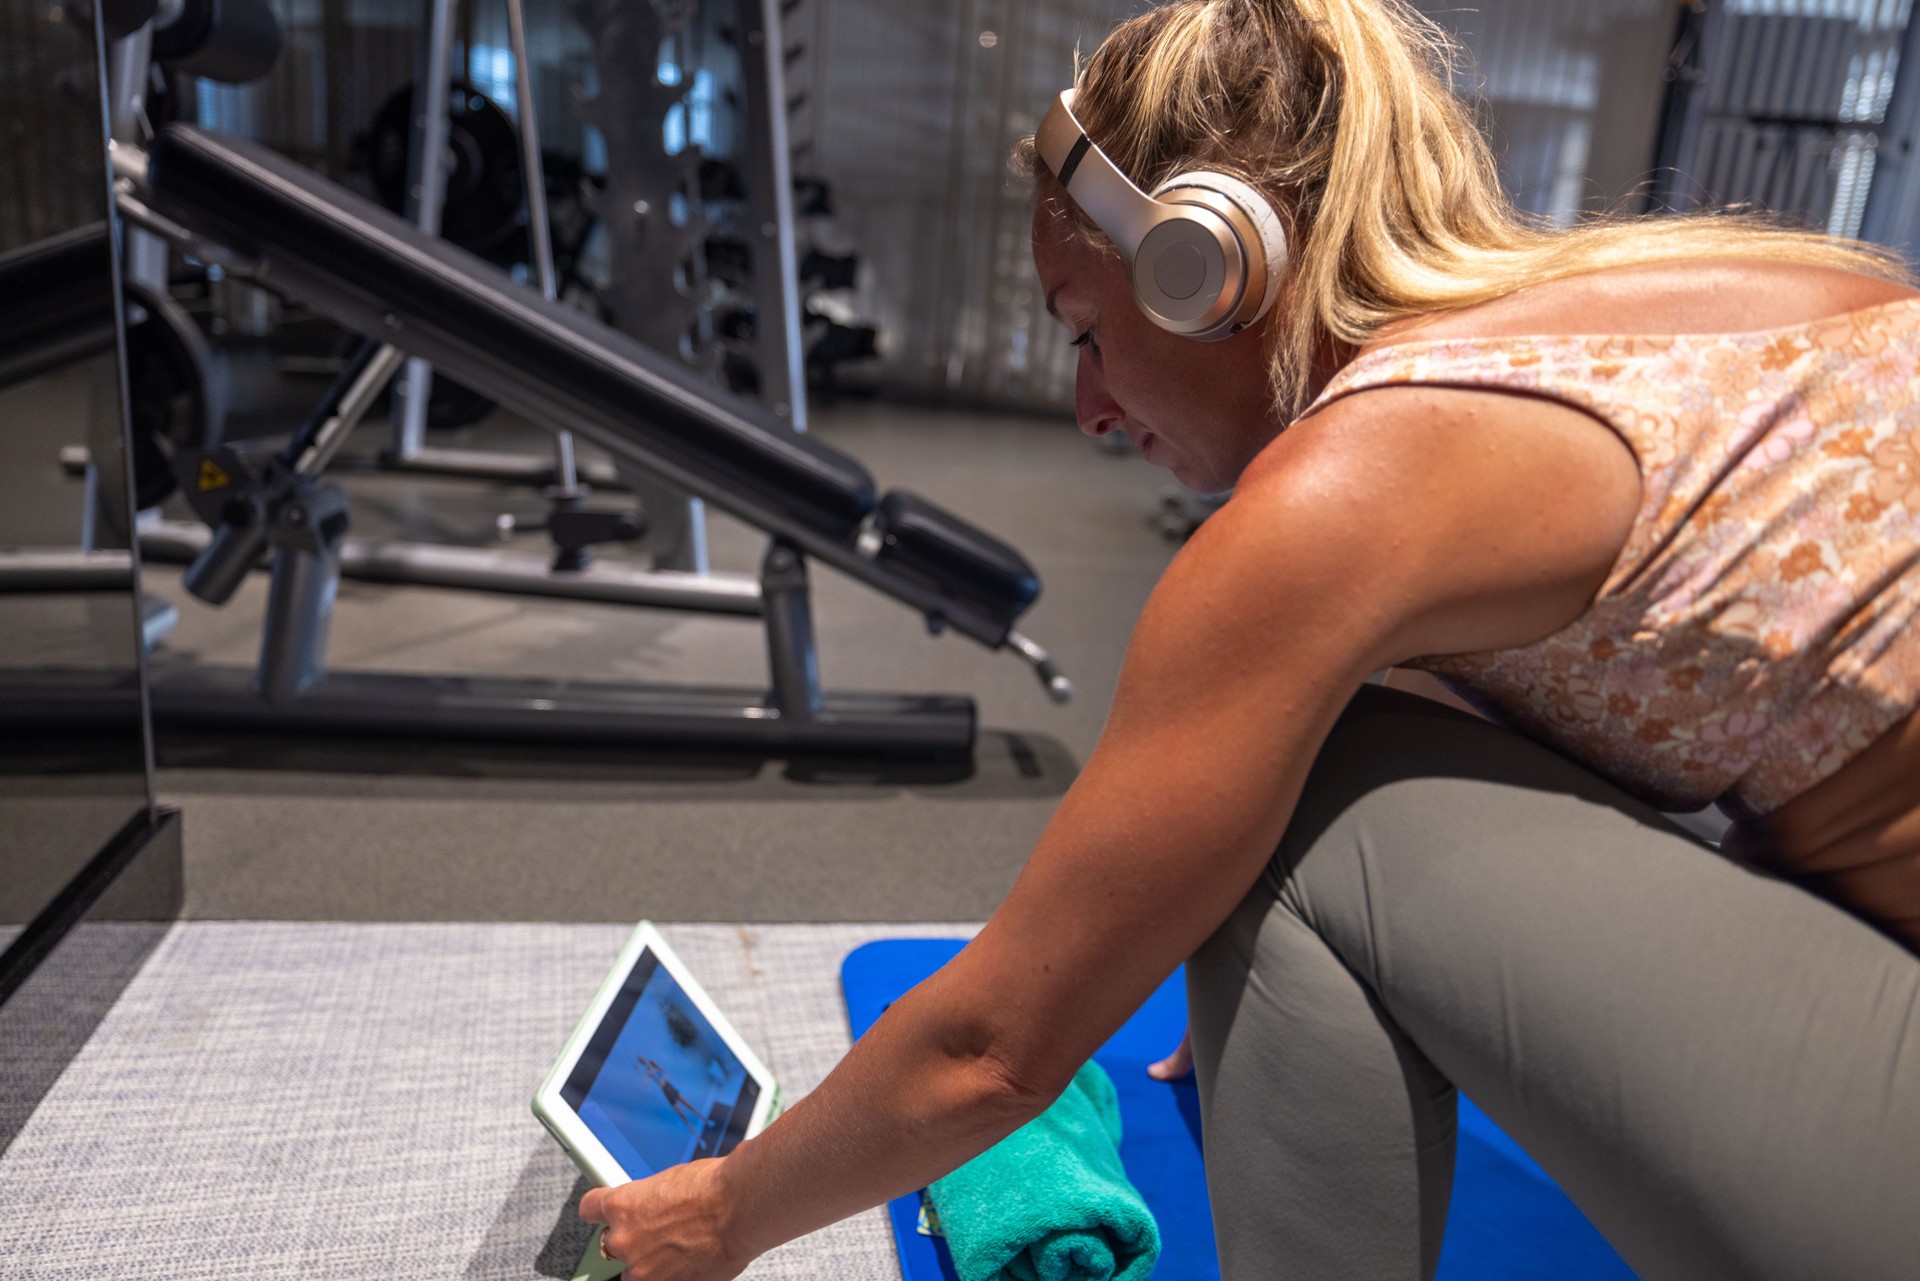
(1175, 1065)
(617, 1253)
(609, 1251)
(593, 1205)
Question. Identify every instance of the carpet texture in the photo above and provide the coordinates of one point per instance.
(350, 1101)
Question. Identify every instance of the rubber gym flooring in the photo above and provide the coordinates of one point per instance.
(384, 830)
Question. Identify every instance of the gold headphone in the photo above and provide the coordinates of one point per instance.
(1206, 252)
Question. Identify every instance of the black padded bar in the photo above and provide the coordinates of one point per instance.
(56, 302)
(368, 269)
(384, 703)
(337, 252)
(918, 537)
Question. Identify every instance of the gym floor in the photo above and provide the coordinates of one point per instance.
(323, 1069)
(383, 830)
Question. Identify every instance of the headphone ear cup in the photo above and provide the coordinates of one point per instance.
(1259, 213)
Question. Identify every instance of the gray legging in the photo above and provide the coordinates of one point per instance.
(1721, 1069)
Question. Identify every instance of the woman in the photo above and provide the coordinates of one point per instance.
(1680, 557)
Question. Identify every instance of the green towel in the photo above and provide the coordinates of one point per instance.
(1050, 1202)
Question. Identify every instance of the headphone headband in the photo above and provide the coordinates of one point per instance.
(1096, 184)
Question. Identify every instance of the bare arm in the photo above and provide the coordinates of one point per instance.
(1347, 549)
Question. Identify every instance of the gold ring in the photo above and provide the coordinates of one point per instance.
(603, 1247)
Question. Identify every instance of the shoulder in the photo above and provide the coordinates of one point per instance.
(1478, 520)
(1715, 295)
(1439, 447)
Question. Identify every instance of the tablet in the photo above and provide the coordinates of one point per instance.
(654, 1074)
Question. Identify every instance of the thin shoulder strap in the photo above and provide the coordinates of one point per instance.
(1583, 372)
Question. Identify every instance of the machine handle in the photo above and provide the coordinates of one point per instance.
(237, 545)
(1052, 679)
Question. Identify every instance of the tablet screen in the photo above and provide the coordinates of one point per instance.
(656, 1084)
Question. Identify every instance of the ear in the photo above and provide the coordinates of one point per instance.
(1269, 238)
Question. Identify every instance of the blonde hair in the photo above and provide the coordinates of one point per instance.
(1343, 111)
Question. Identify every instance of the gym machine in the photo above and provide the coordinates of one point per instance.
(263, 219)
(455, 157)
(416, 155)
(295, 233)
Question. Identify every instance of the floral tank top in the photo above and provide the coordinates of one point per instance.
(1758, 629)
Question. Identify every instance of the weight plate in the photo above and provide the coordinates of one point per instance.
(484, 188)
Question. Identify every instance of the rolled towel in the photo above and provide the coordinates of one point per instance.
(1050, 1202)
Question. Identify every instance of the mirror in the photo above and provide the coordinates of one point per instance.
(74, 777)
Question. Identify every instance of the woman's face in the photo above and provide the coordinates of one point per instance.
(1201, 410)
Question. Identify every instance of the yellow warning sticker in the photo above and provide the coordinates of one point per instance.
(212, 477)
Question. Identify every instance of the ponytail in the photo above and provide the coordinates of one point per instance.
(1343, 111)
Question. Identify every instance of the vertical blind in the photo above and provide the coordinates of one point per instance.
(923, 105)
(911, 111)
(1788, 105)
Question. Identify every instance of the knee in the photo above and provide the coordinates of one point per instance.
(1401, 785)
(1388, 735)
(1384, 740)
(1396, 762)
(1400, 782)
(1347, 779)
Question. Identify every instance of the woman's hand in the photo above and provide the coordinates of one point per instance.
(1175, 1065)
(671, 1227)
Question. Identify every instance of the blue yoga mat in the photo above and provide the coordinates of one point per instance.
(1508, 1221)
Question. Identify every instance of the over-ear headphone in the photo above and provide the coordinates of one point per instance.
(1206, 251)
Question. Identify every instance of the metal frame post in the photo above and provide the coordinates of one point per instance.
(426, 192)
(306, 577)
(778, 340)
(533, 174)
(792, 660)
(143, 260)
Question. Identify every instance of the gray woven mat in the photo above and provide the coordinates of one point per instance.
(350, 1101)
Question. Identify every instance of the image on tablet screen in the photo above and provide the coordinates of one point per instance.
(657, 1085)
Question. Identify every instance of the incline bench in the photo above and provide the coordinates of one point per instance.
(295, 233)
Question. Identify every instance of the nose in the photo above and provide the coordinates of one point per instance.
(1093, 405)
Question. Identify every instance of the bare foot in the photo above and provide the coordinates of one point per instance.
(1175, 1065)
